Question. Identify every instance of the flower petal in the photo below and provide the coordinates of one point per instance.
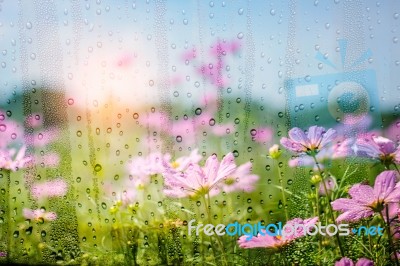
(384, 185)
(297, 135)
(315, 135)
(362, 194)
(327, 137)
(386, 146)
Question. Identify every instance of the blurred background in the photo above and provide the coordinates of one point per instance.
(110, 81)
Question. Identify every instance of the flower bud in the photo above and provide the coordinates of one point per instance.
(315, 179)
(275, 152)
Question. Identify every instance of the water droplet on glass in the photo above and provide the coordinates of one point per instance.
(98, 167)
(240, 35)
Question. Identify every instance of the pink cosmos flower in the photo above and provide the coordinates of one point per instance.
(365, 200)
(380, 148)
(10, 131)
(34, 120)
(265, 240)
(196, 180)
(393, 131)
(338, 150)
(142, 168)
(124, 60)
(54, 188)
(348, 262)
(262, 134)
(182, 163)
(9, 162)
(312, 143)
(240, 180)
(126, 197)
(50, 159)
(330, 184)
(44, 137)
(39, 215)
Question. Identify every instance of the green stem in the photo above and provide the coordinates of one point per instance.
(207, 205)
(391, 246)
(283, 196)
(329, 205)
(318, 213)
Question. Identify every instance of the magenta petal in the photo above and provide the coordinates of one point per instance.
(355, 215)
(364, 262)
(327, 137)
(384, 185)
(315, 134)
(368, 147)
(211, 167)
(344, 262)
(343, 204)
(386, 146)
(291, 145)
(362, 193)
(260, 241)
(297, 135)
(226, 167)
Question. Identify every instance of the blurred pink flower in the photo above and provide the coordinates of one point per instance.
(240, 180)
(196, 180)
(44, 137)
(126, 197)
(223, 48)
(380, 148)
(53, 188)
(393, 131)
(262, 134)
(189, 55)
(34, 120)
(215, 66)
(182, 163)
(330, 184)
(7, 160)
(50, 159)
(264, 240)
(141, 169)
(365, 200)
(188, 130)
(39, 215)
(324, 157)
(10, 131)
(124, 60)
(348, 262)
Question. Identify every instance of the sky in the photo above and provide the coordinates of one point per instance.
(149, 52)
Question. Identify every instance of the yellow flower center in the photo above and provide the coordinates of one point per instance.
(175, 165)
(230, 181)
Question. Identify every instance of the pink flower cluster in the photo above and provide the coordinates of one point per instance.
(276, 242)
(210, 179)
(366, 200)
(45, 190)
(184, 177)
